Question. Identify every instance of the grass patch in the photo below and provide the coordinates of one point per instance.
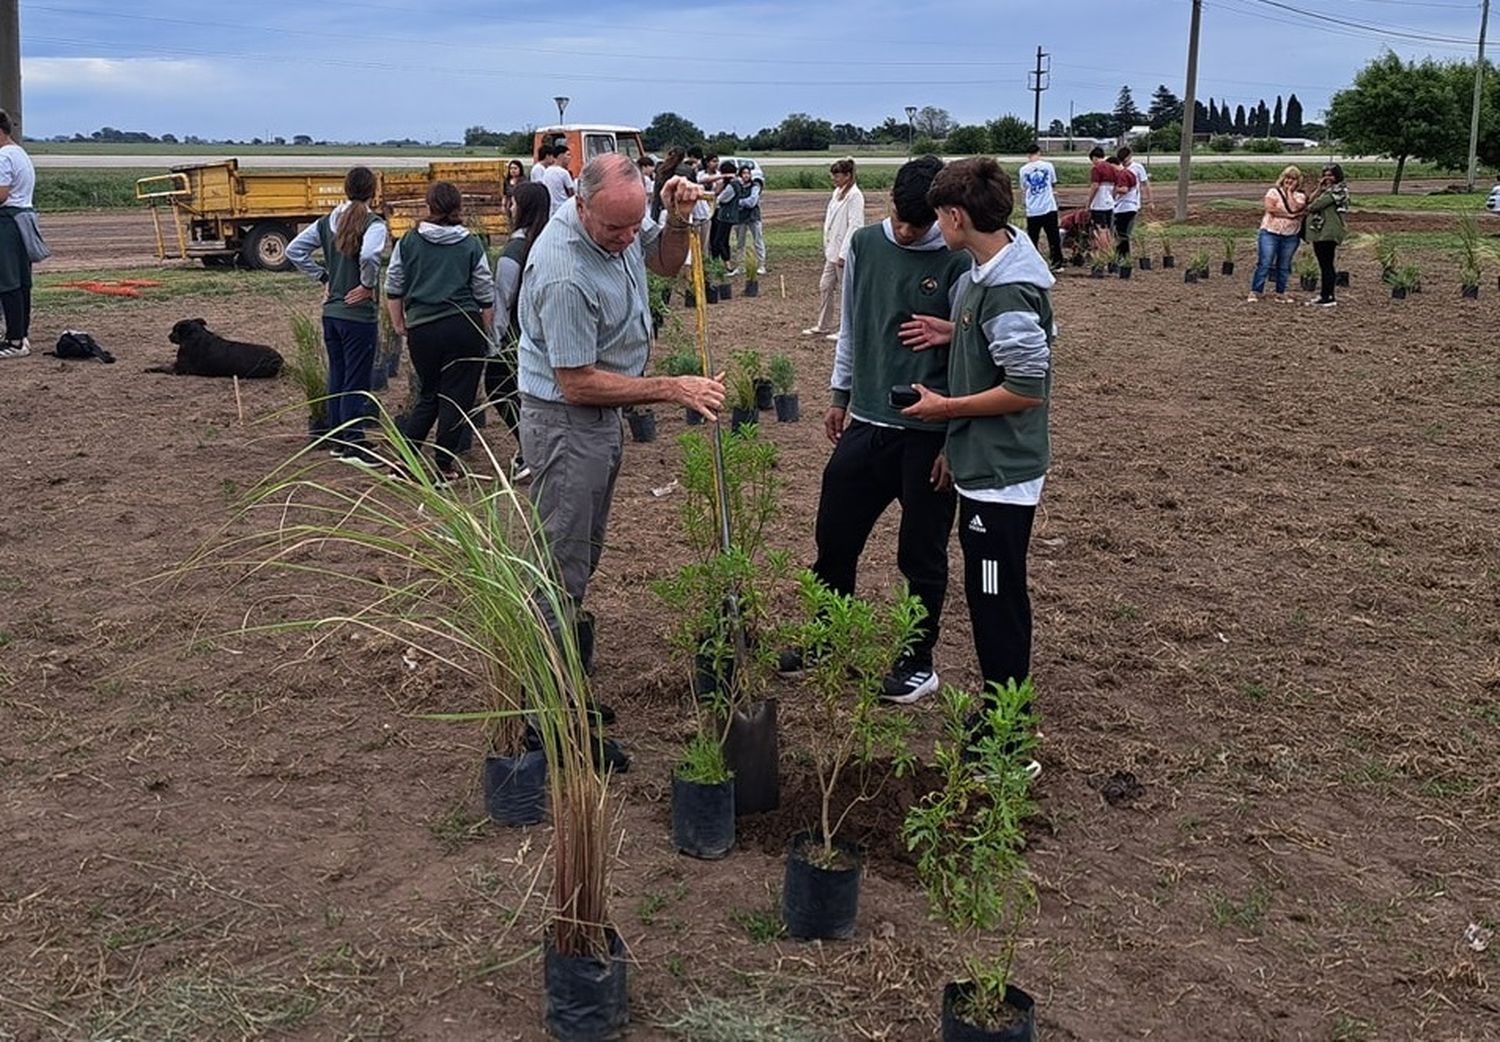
(455, 827)
(713, 1019)
(761, 925)
(203, 1005)
(1248, 913)
(176, 283)
(107, 189)
(1254, 690)
(801, 242)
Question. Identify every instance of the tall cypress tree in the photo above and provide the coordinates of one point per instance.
(1293, 117)
(1240, 126)
(1261, 124)
(1226, 119)
(1277, 127)
(1213, 117)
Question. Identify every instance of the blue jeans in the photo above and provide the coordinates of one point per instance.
(1273, 252)
(351, 371)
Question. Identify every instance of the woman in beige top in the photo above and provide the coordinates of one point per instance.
(1280, 232)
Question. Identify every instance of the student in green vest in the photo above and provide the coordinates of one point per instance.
(999, 342)
(893, 271)
(441, 297)
(351, 239)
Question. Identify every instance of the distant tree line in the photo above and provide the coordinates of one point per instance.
(113, 136)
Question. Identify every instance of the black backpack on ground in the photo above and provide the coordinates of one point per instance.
(73, 344)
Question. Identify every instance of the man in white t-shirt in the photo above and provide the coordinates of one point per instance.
(1128, 203)
(543, 161)
(557, 178)
(1038, 179)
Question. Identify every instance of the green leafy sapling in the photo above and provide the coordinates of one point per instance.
(783, 374)
(969, 838)
(856, 641)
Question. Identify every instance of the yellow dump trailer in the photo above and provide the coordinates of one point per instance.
(222, 216)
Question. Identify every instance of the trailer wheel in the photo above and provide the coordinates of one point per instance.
(265, 247)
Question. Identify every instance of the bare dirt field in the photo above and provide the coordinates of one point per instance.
(1266, 576)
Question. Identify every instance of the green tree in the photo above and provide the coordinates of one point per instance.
(1163, 139)
(1009, 135)
(1293, 124)
(668, 128)
(799, 132)
(1126, 113)
(1241, 124)
(969, 140)
(1094, 124)
(933, 122)
(1166, 108)
(1277, 127)
(1400, 110)
(1057, 128)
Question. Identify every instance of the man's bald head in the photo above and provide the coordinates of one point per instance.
(611, 201)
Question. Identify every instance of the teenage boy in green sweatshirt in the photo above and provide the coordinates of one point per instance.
(995, 404)
(893, 271)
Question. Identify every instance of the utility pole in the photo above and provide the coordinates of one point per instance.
(1070, 124)
(10, 62)
(1484, 21)
(1189, 111)
(1039, 82)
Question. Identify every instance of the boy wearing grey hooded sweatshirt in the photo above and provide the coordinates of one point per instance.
(999, 386)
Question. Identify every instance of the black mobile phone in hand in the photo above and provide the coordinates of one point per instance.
(904, 395)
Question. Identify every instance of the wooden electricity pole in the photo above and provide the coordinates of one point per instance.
(1484, 21)
(1189, 111)
(10, 62)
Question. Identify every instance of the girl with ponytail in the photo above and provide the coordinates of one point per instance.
(351, 240)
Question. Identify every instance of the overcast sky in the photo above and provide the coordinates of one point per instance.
(347, 70)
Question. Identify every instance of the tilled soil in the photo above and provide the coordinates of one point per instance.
(1265, 582)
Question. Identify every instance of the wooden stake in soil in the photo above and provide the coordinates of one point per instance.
(783, 287)
(239, 406)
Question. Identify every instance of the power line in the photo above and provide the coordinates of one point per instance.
(1387, 30)
(1333, 30)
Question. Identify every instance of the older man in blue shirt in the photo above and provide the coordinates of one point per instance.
(585, 338)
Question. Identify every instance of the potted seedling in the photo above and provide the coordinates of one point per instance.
(969, 843)
(724, 631)
(1307, 272)
(1403, 280)
(1159, 230)
(1126, 266)
(1197, 267)
(683, 361)
(658, 296)
(856, 641)
(308, 366)
(742, 403)
(689, 295)
(1468, 280)
(1231, 242)
(784, 383)
(1101, 254)
(752, 363)
(752, 275)
(716, 280)
(1474, 250)
(642, 422)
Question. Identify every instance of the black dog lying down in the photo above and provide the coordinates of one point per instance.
(203, 353)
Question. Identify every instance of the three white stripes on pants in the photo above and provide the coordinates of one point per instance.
(989, 577)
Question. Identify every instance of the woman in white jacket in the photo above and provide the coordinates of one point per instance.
(845, 216)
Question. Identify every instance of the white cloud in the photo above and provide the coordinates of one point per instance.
(113, 77)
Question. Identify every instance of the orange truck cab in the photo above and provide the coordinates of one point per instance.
(587, 141)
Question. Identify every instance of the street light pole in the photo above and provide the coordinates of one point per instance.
(911, 127)
(562, 103)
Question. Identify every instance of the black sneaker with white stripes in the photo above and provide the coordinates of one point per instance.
(909, 681)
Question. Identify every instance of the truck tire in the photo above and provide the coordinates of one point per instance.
(265, 247)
